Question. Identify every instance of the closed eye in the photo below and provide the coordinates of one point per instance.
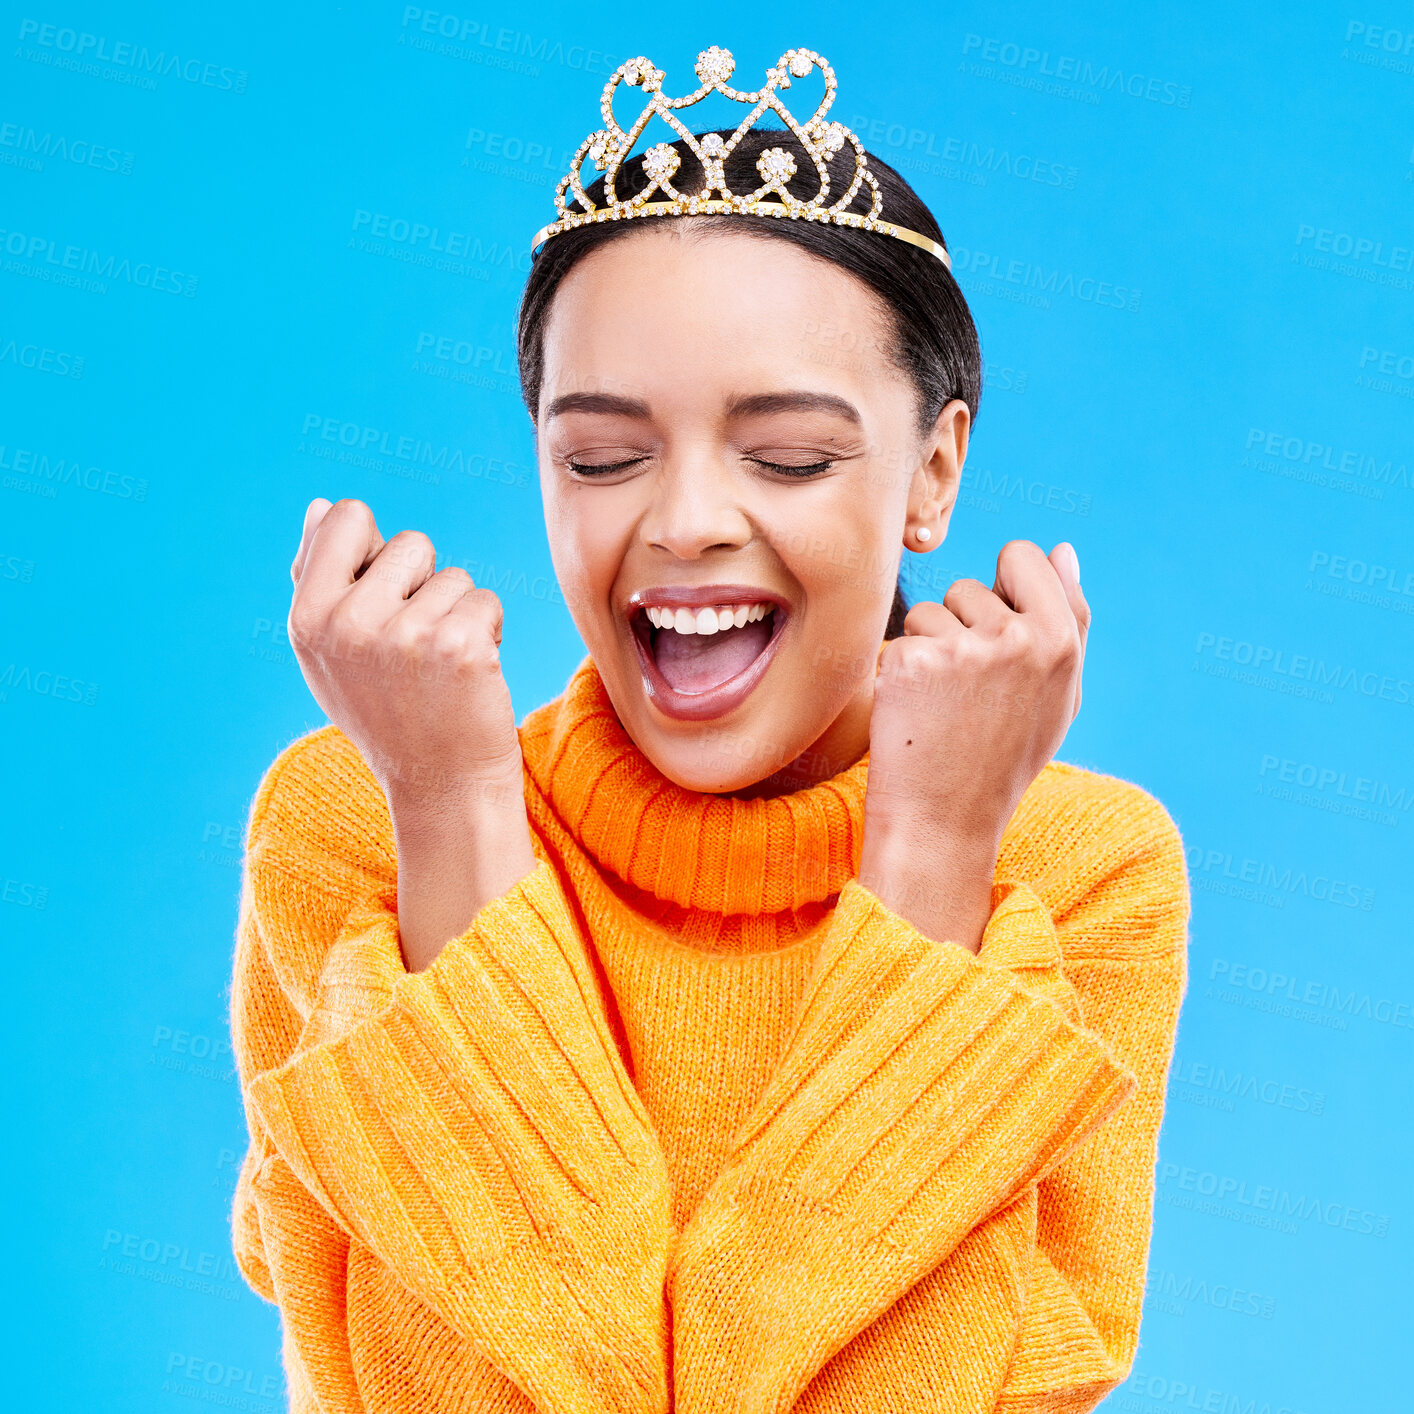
(591, 469)
(794, 469)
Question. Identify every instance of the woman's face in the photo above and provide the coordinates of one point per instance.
(729, 466)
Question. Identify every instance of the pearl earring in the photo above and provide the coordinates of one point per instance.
(923, 533)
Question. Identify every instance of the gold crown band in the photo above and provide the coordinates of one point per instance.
(727, 208)
(609, 147)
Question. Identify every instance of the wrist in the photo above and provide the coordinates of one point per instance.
(456, 852)
(939, 882)
(417, 792)
(902, 847)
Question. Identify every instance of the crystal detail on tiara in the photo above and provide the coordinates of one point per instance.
(661, 162)
(715, 66)
(821, 140)
(776, 165)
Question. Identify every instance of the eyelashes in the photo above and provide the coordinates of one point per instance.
(590, 470)
(786, 469)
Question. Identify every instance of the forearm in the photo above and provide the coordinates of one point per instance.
(458, 849)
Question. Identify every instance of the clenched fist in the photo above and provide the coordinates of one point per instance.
(969, 705)
(404, 659)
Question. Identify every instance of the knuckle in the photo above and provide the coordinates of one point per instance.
(349, 630)
(409, 547)
(404, 638)
(1060, 649)
(477, 654)
(920, 615)
(302, 627)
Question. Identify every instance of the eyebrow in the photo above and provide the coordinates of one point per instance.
(752, 405)
(762, 404)
(597, 402)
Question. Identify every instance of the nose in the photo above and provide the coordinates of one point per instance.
(696, 508)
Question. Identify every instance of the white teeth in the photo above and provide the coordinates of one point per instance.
(709, 620)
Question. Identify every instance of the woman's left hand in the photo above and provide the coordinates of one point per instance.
(969, 705)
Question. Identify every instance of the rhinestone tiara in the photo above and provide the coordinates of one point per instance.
(608, 148)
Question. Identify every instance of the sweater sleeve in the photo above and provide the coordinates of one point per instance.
(1125, 973)
(471, 1126)
(922, 1091)
(265, 1029)
(481, 1137)
(938, 1117)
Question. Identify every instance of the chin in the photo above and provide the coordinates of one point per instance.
(718, 762)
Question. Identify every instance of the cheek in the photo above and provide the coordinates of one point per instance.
(587, 543)
(838, 545)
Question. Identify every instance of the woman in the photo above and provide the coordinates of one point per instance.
(769, 1023)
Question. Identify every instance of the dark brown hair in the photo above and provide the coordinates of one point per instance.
(934, 340)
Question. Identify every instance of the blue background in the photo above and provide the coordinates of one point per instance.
(1226, 442)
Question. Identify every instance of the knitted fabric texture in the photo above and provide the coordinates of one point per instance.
(689, 1120)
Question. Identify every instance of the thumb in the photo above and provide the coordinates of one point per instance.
(314, 513)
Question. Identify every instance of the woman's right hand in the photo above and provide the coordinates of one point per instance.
(404, 659)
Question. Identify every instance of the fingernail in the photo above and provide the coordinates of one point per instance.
(1074, 561)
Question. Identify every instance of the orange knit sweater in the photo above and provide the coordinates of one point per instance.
(689, 1120)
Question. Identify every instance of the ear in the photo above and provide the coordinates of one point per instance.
(938, 480)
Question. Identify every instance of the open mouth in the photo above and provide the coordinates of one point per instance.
(701, 656)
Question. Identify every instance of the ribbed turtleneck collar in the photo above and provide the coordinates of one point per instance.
(709, 852)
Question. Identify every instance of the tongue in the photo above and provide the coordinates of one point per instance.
(698, 662)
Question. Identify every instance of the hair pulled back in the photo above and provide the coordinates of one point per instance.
(933, 339)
